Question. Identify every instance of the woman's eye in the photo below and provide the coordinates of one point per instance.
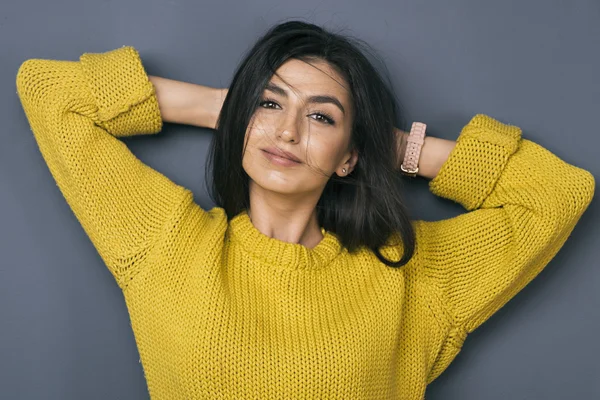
(324, 118)
(268, 104)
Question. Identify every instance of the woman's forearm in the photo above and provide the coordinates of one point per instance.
(434, 153)
(188, 103)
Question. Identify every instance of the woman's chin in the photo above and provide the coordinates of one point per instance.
(275, 183)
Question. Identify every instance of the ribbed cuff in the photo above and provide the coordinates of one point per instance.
(477, 161)
(126, 99)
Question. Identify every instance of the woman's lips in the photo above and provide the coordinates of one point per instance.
(277, 160)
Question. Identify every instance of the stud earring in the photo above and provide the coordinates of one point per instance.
(344, 170)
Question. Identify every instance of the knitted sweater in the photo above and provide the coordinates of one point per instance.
(220, 310)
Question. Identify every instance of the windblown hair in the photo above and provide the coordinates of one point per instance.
(364, 208)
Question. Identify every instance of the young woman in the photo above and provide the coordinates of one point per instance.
(308, 279)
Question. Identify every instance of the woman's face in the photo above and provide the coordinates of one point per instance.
(305, 110)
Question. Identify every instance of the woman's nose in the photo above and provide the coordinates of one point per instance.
(289, 130)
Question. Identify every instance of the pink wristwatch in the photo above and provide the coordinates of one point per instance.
(415, 140)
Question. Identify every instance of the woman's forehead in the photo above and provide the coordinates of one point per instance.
(310, 77)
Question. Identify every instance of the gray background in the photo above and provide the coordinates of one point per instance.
(64, 328)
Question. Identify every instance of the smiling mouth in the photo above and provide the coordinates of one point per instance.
(279, 156)
(279, 160)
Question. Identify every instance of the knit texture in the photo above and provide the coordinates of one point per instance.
(221, 311)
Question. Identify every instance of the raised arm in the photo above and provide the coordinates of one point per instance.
(524, 202)
(77, 110)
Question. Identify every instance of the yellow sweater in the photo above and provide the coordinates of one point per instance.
(220, 310)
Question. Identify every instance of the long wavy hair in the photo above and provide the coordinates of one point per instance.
(364, 208)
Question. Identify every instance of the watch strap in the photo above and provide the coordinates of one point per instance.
(414, 144)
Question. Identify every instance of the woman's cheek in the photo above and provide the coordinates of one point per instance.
(325, 154)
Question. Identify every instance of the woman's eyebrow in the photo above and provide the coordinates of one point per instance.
(321, 99)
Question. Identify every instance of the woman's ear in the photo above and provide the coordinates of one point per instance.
(351, 160)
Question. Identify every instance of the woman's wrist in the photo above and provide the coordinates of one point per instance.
(210, 107)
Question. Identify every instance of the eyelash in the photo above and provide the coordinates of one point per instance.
(328, 118)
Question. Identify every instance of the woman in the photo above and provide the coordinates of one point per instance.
(307, 280)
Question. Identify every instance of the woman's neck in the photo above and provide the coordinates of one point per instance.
(286, 222)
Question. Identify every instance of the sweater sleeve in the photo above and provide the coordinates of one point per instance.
(524, 202)
(77, 110)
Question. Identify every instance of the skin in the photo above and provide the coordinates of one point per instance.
(283, 199)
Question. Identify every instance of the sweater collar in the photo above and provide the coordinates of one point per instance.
(279, 253)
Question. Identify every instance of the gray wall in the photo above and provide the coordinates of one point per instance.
(64, 329)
